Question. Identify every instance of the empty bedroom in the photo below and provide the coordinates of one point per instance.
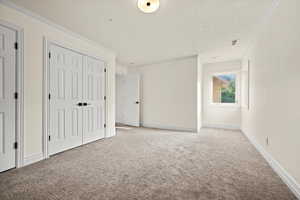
(149, 100)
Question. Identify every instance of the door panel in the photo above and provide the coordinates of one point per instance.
(93, 95)
(75, 79)
(66, 69)
(128, 99)
(7, 101)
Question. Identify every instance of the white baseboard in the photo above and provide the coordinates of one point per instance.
(222, 126)
(282, 173)
(110, 133)
(28, 160)
(159, 126)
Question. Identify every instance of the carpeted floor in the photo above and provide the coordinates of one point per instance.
(151, 164)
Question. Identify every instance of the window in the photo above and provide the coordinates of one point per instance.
(224, 88)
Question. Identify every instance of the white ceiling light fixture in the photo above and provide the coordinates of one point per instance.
(148, 6)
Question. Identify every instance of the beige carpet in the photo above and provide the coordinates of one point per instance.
(151, 164)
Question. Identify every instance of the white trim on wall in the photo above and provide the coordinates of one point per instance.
(20, 91)
(167, 60)
(28, 160)
(282, 173)
(245, 87)
(249, 86)
(171, 128)
(106, 101)
(29, 13)
(20, 104)
(45, 99)
(221, 126)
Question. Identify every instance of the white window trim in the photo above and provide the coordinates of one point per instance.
(237, 92)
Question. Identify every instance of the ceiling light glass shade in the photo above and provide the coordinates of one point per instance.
(148, 6)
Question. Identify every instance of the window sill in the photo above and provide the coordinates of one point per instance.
(226, 105)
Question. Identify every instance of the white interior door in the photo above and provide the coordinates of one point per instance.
(128, 99)
(66, 74)
(7, 101)
(94, 100)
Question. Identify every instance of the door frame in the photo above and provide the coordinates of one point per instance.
(47, 42)
(19, 121)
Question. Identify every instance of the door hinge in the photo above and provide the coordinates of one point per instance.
(15, 145)
(49, 137)
(16, 95)
(104, 69)
(16, 46)
(104, 125)
(49, 96)
(104, 97)
(49, 55)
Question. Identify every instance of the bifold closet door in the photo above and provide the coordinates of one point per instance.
(66, 74)
(93, 96)
(7, 101)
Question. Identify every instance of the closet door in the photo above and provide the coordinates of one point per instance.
(66, 73)
(7, 101)
(93, 97)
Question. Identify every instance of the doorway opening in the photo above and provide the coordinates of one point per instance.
(128, 100)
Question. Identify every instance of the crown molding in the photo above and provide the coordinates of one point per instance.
(166, 61)
(44, 20)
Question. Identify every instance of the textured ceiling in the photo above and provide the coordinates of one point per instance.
(180, 28)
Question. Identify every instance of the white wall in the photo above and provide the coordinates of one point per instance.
(34, 31)
(120, 95)
(169, 94)
(121, 72)
(274, 88)
(199, 93)
(221, 116)
(121, 69)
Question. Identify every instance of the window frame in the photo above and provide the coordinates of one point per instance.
(237, 90)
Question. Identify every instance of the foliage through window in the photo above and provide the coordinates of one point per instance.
(224, 88)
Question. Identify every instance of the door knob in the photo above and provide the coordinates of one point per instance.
(80, 104)
(137, 102)
(86, 104)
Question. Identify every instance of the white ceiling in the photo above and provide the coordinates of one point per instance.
(180, 28)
